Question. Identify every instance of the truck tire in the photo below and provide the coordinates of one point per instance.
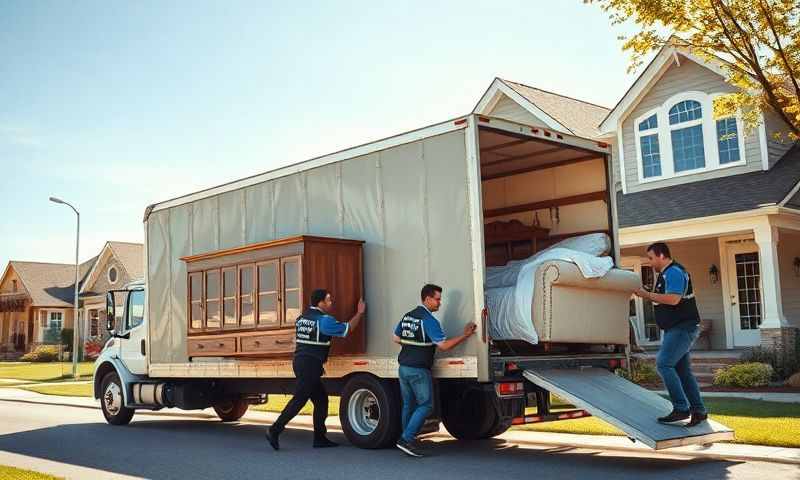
(469, 413)
(369, 412)
(500, 427)
(231, 409)
(112, 401)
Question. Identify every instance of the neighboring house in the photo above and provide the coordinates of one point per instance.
(727, 202)
(37, 299)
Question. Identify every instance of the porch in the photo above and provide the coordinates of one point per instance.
(745, 269)
(14, 324)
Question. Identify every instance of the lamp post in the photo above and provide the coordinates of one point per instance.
(75, 314)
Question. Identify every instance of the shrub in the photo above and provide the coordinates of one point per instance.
(746, 375)
(42, 353)
(642, 372)
(783, 365)
(66, 339)
(92, 348)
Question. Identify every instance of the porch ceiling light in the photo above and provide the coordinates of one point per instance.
(713, 274)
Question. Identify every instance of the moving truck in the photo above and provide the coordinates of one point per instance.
(229, 269)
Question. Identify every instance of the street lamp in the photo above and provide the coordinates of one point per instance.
(75, 315)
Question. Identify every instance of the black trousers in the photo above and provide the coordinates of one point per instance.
(308, 374)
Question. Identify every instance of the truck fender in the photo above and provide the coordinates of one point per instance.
(126, 377)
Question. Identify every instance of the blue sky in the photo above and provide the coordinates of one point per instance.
(116, 105)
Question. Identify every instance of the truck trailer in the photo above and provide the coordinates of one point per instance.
(229, 269)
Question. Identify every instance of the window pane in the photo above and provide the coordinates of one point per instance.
(195, 288)
(246, 296)
(197, 316)
(229, 312)
(685, 111)
(212, 312)
(229, 283)
(246, 280)
(687, 148)
(292, 301)
(212, 284)
(648, 123)
(247, 311)
(268, 278)
(268, 309)
(651, 156)
(291, 274)
(136, 305)
(728, 140)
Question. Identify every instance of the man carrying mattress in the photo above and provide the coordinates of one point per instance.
(420, 334)
(676, 313)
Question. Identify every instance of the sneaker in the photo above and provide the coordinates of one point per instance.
(409, 448)
(324, 443)
(272, 438)
(675, 417)
(697, 419)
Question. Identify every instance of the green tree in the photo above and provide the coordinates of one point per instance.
(758, 42)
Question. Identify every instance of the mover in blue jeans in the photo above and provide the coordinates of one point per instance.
(676, 313)
(420, 334)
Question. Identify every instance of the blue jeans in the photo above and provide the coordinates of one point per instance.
(675, 367)
(416, 388)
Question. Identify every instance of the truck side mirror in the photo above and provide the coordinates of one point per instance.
(110, 314)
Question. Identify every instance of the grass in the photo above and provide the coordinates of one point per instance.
(63, 389)
(43, 372)
(755, 422)
(11, 473)
(277, 402)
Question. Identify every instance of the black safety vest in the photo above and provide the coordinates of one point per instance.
(417, 349)
(683, 314)
(309, 338)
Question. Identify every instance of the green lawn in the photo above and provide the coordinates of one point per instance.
(754, 421)
(43, 372)
(11, 473)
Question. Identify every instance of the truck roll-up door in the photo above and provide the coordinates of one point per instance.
(625, 405)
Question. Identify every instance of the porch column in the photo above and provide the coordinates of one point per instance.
(775, 330)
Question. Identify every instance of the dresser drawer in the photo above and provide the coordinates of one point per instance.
(275, 343)
(212, 346)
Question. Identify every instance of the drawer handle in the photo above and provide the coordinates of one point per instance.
(257, 343)
(282, 342)
(220, 344)
(200, 346)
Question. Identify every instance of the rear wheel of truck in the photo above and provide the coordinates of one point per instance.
(369, 412)
(112, 401)
(469, 413)
(231, 409)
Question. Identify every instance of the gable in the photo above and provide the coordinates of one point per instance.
(508, 109)
(8, 279)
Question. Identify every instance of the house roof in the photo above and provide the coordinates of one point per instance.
(582, 118)
(129, 255)
(734, 193)
(50, 284)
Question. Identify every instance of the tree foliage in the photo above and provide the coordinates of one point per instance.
(757, 42)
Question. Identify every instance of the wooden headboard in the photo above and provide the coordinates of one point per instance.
(511, 240)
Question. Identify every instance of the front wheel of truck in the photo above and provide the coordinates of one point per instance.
(369, 411)
(112, 402)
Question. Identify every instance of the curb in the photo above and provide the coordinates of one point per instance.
(543, 443)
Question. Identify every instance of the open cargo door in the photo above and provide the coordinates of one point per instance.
(625, 405)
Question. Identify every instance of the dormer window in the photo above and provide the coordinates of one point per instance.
(681, 137)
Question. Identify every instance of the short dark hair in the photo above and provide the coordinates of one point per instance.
(318, 295)
(660, 248)
(429, 290)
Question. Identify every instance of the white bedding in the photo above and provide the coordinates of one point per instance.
(509, 289)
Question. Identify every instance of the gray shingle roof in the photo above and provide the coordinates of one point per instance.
(735, 193)
(582, 118)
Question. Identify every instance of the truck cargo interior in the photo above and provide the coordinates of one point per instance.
(536, 193)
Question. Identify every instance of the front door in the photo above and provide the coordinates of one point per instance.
(744, 272)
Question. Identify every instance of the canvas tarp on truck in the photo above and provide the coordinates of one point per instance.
(409, 203)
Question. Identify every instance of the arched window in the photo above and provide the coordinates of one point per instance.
(686, 133)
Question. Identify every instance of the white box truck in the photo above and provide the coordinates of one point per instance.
(434, 205)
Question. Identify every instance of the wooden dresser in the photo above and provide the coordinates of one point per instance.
(243, 302)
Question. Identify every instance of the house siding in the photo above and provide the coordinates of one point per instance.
(688, 77)
(102, 284)
(510, 110)
(698, 256)
(788, 249)
(776, 146)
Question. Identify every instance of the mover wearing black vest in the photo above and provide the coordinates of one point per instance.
(310, 336)
(417, 350)
(685, 313)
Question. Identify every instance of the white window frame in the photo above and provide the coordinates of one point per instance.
(710, 141)
(48, 312)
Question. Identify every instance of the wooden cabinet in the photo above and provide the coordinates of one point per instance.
(244, 301)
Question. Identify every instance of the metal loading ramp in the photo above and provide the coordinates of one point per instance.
(625, 405)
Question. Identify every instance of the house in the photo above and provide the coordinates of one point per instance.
(37, 299)
(727, 201)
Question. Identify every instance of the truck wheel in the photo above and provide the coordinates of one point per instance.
(112, 401)
(232, 409)
(500, 427)
(468, 413)
(369, 412)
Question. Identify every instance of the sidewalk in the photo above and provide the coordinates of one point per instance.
(718, 451)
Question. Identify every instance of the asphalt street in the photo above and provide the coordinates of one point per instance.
(77, 443)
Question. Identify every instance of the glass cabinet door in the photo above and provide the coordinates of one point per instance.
(268, 290)
(195, 300)
(229, 319)
(292, 289)
(212, 300)
(246, 300)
